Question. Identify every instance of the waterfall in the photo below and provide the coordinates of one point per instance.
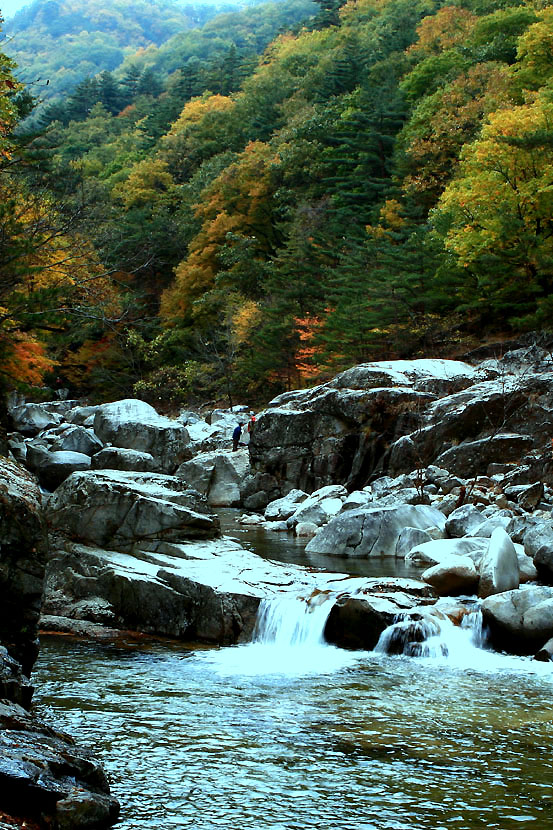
(288, 639)
(293, 621)
(435, 636)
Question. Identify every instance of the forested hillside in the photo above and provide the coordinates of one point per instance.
(58, 43)
(377, 184)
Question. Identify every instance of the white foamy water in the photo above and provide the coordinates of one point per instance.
(464, 647)
(288, 639)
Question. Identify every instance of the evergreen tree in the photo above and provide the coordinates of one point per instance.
(109, 93)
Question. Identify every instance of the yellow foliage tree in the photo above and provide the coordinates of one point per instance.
(499, 211)
(234, 208)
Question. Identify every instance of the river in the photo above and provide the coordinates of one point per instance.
(272, 736)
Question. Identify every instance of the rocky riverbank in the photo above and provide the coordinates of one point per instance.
(442, 463)
(45, 778)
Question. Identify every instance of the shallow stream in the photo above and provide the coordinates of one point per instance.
(278, 736)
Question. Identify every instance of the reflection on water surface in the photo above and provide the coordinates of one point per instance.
(191, 739)
(285, 547)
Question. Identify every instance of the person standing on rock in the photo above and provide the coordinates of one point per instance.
(251, 423)
(236, 435)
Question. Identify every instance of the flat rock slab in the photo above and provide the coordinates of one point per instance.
(207, 591)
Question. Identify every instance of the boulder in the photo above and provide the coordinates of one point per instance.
(359, 498)
(118, 509)
(22, 561)
(409, 538)
(526, 569)
(463, 520)
(188, 593)
(206, 437)
(339, 433)
(217, 475)
(258, 489)
(281, 509)
(207, 591)
(116, 458)
(545, 654)
(52, 468)
(543, 562)
(506, 617)
(500, 518)
(470, 456)
(372, 531)
(79, 439)
(16, 448)
(319, 507)
(535, 536)
(83, 415)
(527, 495)
(135, 425)
(307, 529)
(499, 569)
(15, 687)
(32, 418)
(434, 552)
(45, 778)
(358, 621)
(453, 575)
(401, 416)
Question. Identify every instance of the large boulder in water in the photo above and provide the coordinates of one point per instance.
(135, 425)
(499, 568)
(357, 622)
(520, 620)
(372, 531)
(118, 509)
(453, 575)
(43, 775)
(47, 779)
(182, 591)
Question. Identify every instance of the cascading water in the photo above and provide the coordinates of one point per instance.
(288, 639)
(434, 636)
(293, 621)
